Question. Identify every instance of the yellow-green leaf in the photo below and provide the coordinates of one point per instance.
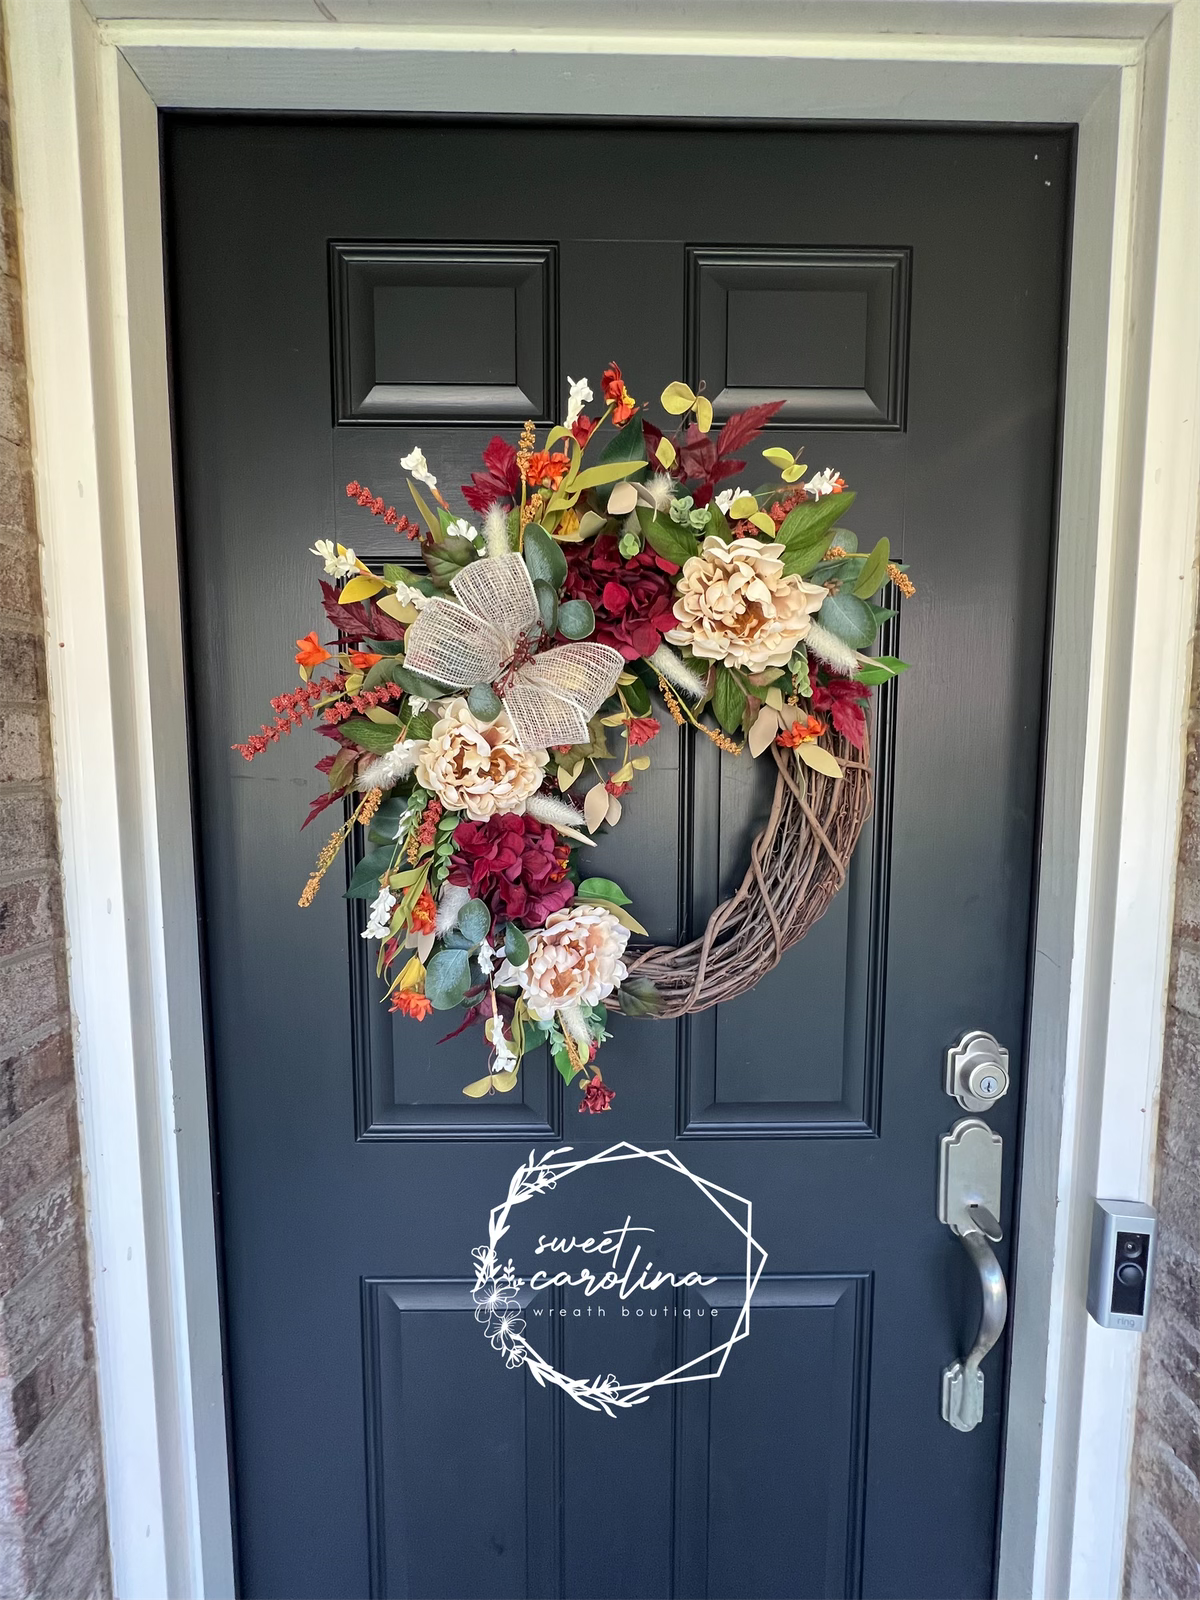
(502, 1082)
(664, 453)
(819, 759)
(640, 763)
(434, 523)
(762, 522)
(360, 588)
(744, 506)
(622, 916)
(595, 806)
(704, 413)
(796, 470)
(763, 731)
(555, 435)
(380, 714)
(677, 398)
(874, 570)
(396, 608)
(778, 457)
(480, 1087)
(622, 500)
(605, 472)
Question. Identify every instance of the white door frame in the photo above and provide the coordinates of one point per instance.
(85, 95)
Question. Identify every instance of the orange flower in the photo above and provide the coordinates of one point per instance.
(613, 386)
(801, 733)
(424, 913)
(309, 652)
(363, 660)
(410, 1004)
(546, 468)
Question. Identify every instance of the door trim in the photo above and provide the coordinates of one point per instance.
(85, 97)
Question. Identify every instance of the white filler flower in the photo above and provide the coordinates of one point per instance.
(580, 396)
(416, 463)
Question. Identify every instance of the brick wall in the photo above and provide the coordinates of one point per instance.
(1164, 1525)
(53, 1538)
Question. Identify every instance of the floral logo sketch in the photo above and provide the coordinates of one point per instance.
(501, 1295)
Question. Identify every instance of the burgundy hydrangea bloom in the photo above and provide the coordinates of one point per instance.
(597, 1096)
(515, 865)
(632, 599)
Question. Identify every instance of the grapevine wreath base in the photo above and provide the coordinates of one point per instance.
(797, 864)
(486, 719)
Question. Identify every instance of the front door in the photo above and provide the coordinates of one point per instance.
(341, 292)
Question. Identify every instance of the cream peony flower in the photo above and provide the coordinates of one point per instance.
(574, 960)
(734, 604)
(478, 767)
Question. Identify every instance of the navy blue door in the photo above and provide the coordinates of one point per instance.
(341, 291)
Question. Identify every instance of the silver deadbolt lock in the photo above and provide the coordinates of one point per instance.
(977, 1071)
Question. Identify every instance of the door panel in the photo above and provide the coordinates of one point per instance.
(341, 291)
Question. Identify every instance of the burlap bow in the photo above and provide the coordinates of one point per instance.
(487, 638)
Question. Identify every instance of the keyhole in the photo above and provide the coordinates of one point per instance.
(988, 1086)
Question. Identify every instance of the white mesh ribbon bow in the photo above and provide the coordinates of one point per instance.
(486, 638)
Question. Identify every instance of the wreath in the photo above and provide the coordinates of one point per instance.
(489, 717)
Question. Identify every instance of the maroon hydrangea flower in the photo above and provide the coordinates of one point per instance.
(632, 599)
(597, 1096)
(515, 865)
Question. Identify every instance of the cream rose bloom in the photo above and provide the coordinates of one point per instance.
(734, 604)
(478, 767)
(574, 960)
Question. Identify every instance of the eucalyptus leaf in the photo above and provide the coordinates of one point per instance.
(475, 921)
(364, 882)
(729, 699)
(453, 940)
(415, 684)
(849, 619)
(576, 619)
(516, 945)
(447, 978)
(543, 557)
(800, 674)
(547, 599)
(874, 571)
(381, 672)
(484, 702)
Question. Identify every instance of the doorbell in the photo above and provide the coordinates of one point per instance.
(1122, 1261)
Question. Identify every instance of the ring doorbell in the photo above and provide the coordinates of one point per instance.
(1122, 1262)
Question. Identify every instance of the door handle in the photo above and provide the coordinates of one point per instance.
(969, 1174)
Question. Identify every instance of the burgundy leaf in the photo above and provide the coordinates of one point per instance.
(473, 1015)
(317, 806)
(501, 481)
(360, 620)
(745, 425)
(844, 700)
